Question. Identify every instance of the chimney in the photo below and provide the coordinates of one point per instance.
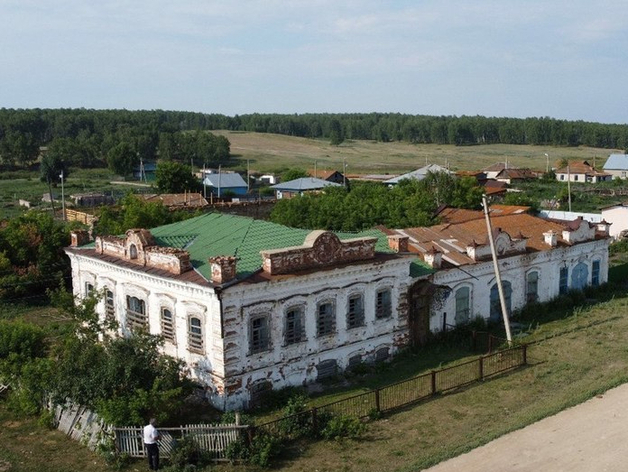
(603, 227)
(398, 243)
(433, 258)
(551, 238)
(223, 269)
(79, 237)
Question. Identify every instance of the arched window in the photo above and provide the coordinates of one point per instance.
(463, 305)
(532, 287)
(355, 311)
(136, 313)
(133, 251)
(595, 273)
(167, 324)
(259, 334)
(195, 334)
(110, 305)
(580, 276)
(496, 308)
(325, 318)
(294, 331)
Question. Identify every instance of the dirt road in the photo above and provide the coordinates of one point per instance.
(591, 437)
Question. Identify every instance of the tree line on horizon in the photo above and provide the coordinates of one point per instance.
(87, 138)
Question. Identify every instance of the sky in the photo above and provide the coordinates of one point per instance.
(565, 59)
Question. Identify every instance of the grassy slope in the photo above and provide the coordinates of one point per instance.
(574, 358)
(270, 152)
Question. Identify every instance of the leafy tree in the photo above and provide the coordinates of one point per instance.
(31, 255)
(292, 174)
(336, 136)
(50, 169)
(122, 158)
(173, 177)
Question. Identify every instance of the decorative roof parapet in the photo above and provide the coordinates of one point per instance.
(320, 248)
(579, 230)
(139, 247)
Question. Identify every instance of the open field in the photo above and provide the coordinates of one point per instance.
(272, 152)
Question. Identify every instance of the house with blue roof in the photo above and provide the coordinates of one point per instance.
(300, 186)
(225, 183)
(617, 165)
(252, 306)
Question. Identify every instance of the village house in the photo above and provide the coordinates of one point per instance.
(617, 165)
(418, 174)
(300, 186)
(581, 172)
(329, 176)
(252, 306)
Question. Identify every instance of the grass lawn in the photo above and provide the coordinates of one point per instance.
(582, 352)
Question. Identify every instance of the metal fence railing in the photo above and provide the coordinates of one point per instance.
(408, 391)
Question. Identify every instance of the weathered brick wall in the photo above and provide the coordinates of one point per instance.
(321, 248)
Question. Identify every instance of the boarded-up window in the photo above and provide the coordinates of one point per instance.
(563, 284)
(167, 325)
(382, 354)
(355, 311)
(136, 313)
(258, 392)
(259, 334)
(195, 334)
(383, 304)
(354, 361)
(110, 306)
(325, 319)
(327, 369)
(294, 332)
(532, 287)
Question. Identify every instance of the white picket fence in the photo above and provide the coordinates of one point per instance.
(211, 438)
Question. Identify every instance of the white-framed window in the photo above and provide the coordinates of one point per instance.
(110, 305)
(259, 334)
(532, 287)
(294, 331)
(325, 318)
(355, 311)
(167, 324)
(136, 316)
(195, 334)
(89, 289)
(463, 305)
(383, 303)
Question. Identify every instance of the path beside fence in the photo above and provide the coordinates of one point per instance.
(400, 394)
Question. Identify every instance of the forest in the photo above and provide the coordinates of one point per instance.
(95, 138)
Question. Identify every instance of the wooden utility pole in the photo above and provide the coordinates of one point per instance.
(500, 288)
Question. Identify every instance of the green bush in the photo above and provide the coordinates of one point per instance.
(187, 453)
(343, 426)
(297, 420)
(261, 450)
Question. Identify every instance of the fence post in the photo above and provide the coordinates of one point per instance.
(250, 433)
(433, 382)
(525, 353)
(377, 406)
(481, 366)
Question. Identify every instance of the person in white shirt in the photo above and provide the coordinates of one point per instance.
(151, 436)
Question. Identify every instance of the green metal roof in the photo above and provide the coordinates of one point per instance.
(218, 234)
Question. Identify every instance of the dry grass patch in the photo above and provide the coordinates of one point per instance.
(272, 152)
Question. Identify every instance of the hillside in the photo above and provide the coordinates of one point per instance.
(272, 152)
